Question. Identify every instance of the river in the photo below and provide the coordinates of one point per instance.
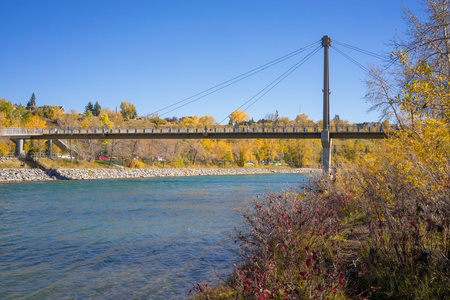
(147, 238)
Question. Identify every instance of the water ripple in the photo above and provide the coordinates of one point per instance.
(120, 239)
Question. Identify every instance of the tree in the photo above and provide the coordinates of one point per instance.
(97, 109)
(191, 122)
(414, 84)
(20, 112)
(237, 117)
(158, 122)
(69, 121)
(32, 102)
(242, 152)
(52, 112)
(206, 121)
(128, 110)
(35, 122)
(89, 107)
(105, 121)
(303, 120)
(283, 121)
(270, 117)
(299, 152)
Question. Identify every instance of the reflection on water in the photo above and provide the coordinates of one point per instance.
(137, 238)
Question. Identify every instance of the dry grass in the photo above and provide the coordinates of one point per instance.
(13, 163)
(66, 164)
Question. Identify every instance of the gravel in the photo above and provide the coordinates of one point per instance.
(11, 175)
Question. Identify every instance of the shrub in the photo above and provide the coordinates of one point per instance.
(290, 247)
(405, 196)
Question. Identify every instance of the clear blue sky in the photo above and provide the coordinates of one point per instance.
(157, 52)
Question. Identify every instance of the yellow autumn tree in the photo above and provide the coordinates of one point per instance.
(237, 117)
(403, 187)
(206, 121)
(189, 122)
(35, 122)
(242, 152)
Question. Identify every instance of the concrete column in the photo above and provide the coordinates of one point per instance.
(326, 144)
(19, 147)
(50, 144)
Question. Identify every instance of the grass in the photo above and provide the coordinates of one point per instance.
(13, 163)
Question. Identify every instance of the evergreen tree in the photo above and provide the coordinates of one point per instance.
(89, 107)
(32, 102)
(97, 109)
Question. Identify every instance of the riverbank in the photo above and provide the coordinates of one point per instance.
(18, 175)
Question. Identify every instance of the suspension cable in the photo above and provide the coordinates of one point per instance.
(391, 61)
(351, 59)
(234, 80)
(274, 83)
(373, 54)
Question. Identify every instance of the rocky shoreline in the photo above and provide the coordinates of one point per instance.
(17, 175)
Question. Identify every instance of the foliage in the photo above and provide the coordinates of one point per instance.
(128, 110)
(404, 192)
(290, 245)
(35, 122)
(136, 164)
(32, 102)
(158, 121)
(97, 109)
(238, 117)
(69, 121)
(6, 147)
(89, 107)
(298, 152)
(189, 122)
(180, 162)
(105, 121)
(52, 112)
(206, 121)
(414, 84)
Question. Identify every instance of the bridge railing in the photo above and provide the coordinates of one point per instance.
(194, 130)
(18, 131)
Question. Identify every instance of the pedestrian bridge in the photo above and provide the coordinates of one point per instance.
(325, 134)
(217, 132)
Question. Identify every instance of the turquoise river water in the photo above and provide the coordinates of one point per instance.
(123, 239)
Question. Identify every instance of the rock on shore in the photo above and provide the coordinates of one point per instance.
(11, 175)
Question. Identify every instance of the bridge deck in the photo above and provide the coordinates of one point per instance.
(225, 132)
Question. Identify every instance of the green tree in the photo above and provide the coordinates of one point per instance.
(89, 107)
(97, 109)
(32, 102)
(158, 121)
(128, 110)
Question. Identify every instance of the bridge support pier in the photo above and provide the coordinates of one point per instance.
(18, 151)
(49, 148)
(326, 145)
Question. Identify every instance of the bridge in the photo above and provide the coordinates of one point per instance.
(326, 134)
(215, 132)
